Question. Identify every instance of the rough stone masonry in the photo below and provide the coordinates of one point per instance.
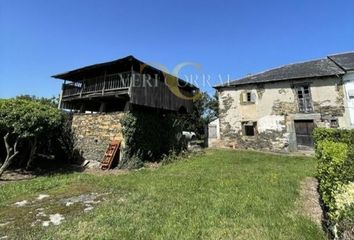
(93, 133)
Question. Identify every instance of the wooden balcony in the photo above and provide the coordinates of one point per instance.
(98, 86)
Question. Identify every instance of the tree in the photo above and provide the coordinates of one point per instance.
(26, 121)
(53, 101)
(205, 109)
(213, 107)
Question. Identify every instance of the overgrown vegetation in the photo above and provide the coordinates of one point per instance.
(149, 135)
(205, 109)
(53, 101)
(173, 157)
(32, 130)
(221, 194)
(335, 154)
(153, 135)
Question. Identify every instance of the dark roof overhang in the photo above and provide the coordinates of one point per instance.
(77, 74)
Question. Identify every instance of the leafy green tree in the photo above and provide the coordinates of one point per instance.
(213, 107)
(205, 109)
(53, 101)
(26, 121)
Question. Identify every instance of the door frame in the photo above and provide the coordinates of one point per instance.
(304, 147)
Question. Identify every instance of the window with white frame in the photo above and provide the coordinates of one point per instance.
(248, 97)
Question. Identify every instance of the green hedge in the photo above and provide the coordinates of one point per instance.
(335, 154)
(336, 135)
(331, 156)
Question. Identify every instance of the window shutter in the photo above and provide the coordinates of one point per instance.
(253, 97)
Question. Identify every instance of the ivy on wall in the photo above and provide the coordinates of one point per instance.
(148, 135)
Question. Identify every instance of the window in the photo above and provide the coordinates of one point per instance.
(304, 98)
(334, 123)
(248, 97)
(249, 128)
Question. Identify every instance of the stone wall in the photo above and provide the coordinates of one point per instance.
(93, 133)
(275, 110)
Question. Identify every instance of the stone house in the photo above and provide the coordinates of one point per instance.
(278, 109)
(99, 95)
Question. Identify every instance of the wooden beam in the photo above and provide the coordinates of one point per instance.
(61, 94)
(104, 81)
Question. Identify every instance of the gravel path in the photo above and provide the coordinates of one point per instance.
(310, 200)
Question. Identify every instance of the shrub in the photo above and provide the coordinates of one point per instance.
(335, 135)
(343, 212)
(335, 154)
(133, 162)
(148, 135)
(331, 157)
(340, 136)
(171, 157)
(344, 202)
(32, 127)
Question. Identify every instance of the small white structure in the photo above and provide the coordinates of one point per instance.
(213, 132)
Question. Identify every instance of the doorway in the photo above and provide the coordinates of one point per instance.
(303, 131)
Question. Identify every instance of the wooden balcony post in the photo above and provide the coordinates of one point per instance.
(104, 82)
(82, 87)
(61, 94)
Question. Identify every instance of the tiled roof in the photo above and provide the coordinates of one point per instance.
(344, 60)
(331, 66)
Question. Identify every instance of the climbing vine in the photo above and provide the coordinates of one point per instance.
(148, 135)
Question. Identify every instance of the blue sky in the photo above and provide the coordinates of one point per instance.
(235, 38)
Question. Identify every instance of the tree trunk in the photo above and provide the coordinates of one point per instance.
(32, 153)
(11, 153)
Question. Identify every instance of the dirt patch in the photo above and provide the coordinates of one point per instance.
(22, 175)
(310, 200)
(16, 175)
(116, 171)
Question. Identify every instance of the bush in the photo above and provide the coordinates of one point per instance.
(171, 157)
(344, 202)
(32, 129)
(148, 135)
(134, 162)
(331, 156)
(342, 215)
(336, 135)
(335, 154)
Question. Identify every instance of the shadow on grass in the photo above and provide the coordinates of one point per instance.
(16, 175)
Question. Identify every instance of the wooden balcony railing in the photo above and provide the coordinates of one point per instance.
(99, 84)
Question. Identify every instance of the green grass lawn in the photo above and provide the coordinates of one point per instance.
(222, 194)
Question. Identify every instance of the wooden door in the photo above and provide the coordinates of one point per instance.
(303, 130)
